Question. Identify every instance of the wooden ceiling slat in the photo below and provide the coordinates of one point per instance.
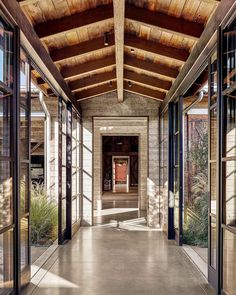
(148, 80)
(87, 67)
(74, 21)
(164, 21)
(156, 47)
(104, 88)
(135, 88)
(81, 48)
(151, 67)
(92, 80)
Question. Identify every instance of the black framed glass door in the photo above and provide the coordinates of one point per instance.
(227, 263)
(65, 156)
(176, 170)
(212, 168)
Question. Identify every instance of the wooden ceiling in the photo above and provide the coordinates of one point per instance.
(148, 41)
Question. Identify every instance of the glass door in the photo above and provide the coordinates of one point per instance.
(65, 175)
(212, 168)
(228, 162)
(176, 167)
(24, 168)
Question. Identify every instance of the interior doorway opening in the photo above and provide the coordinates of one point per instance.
(120, 177)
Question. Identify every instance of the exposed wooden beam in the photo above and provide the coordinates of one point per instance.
(87, 67)
(156, 47)
(27, 2)
(151, 67)
(81, 48)
(119, 24)
(40, 81)
(74, 21)
(92, 80)
(198, 84)
(94, 91)
(147, 80)
(164, 21)
(38, 50)
(200, 52)
(135, 88)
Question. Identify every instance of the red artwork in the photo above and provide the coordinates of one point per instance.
(121, 171)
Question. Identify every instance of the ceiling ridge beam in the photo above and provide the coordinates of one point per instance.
(81, 48)
(119, 29)
(87, 67)
(92, 80)
(151, 66)
(156, 47)
(74, 21)
(163, 21)
(147, 80)
(135, 88)
(95, 91)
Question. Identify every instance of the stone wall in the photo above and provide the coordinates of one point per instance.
(133, 105)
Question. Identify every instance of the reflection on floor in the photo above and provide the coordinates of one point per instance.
(118, 207)
(105, 260)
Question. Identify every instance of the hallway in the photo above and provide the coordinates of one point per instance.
(109, 261)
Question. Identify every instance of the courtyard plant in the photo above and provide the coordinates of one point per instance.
(43, 216)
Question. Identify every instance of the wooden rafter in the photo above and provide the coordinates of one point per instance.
(135, 88)
(74, 21)
(130, 40)
(147, 80)
(92, 80)
(119, 24)
(156, 47)
(164, 21)
(81, 48)
(151, 67)
(94, 91)
(87, 67)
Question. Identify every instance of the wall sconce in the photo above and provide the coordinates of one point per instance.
(106, 39)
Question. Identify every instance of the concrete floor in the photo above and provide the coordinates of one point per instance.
(104, 260)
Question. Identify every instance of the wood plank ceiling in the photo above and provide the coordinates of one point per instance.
(141, 50)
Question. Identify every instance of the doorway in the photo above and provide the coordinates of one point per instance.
(120, 174)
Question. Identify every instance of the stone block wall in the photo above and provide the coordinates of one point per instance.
(133, 106)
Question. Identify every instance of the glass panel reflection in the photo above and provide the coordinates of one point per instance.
(6, 262)
(213, 187)
(230, 193)
(6, 202)
(213, 243)
(6, 54)
(229, 263)
(24, 242)
(5, 121)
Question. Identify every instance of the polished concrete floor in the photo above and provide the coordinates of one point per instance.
(106, 260)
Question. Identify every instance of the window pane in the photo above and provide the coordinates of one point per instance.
(24, 242)
(24, 134)
(213, 135)
(229, 263)
(24, 80)
(213, 243)
(78, 207)
(24, 188)
(6, 205)
(6, 54)
(74, 208)
(230, 192)
(213, 86)
(6, 262)
(5, 121)
(213, 187)
(231, 126)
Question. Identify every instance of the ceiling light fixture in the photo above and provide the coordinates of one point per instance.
(132, 50)
(110, 83)
(129, 84)
(106, 39)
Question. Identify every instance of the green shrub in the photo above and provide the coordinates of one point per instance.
(43, 216)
